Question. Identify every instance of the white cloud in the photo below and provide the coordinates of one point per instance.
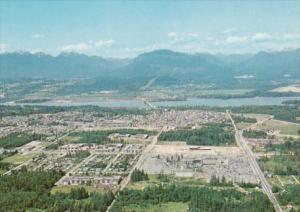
(3, 47)
(76, 47)
(38, 36)
(173, 35)
(83, 46)
(101, 43)
(36, 50)
(236, 39)
(261, 37)
(289, 36)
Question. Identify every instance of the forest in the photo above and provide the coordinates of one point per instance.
(199, 199)
(280, 112)
(24, 110)
(31, 190)
(138, 176)
(212, 134)
(239, 119)
(18, 139)
(254, 134)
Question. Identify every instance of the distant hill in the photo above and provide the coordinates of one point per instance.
(168, 67)
(65, 65)
(271, 65)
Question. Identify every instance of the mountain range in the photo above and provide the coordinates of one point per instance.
(166, 66)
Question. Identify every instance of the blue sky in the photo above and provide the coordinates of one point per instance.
(128, 28)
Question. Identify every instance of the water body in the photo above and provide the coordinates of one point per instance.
(134, 103)
(226, 102)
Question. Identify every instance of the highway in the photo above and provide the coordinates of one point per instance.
(264, 183)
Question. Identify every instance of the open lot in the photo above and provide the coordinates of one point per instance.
(281, 128)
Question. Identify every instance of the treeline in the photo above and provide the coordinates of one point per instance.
(138, 176)
(281, 112)
(290, 195)
(7, 153)
(286, 147)
(239, 119)
(287, 112)
(101, 137)
(291, 102)
(18, 110)
(18, 139)
(281, 164)
(255, 134)
(213, 134)
(199, 199)
(216, 181)
(31, 190)
(286, 160)
(79, 155)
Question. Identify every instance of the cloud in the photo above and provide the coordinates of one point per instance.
(291, 36)
(76, 47)
(38, 36)
(173, 35)
(36, 50)
(3, 47)
(261, 37)
(84, 46)
(101, 43)
(236, 39)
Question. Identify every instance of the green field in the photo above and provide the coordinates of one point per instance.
(19, 158)
(164, 207)
(67, 189)
(243, 125)
(285, 128)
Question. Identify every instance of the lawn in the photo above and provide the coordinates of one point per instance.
(285, 128)
(243, 125)
(19, 158)
(142, 184)
(67, 188)
(153, 180)
(164, 207)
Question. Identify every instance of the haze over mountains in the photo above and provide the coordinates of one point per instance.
(166, 66)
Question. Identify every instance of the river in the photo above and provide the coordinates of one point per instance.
(135, 103)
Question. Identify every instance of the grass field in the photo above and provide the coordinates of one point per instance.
(243, 125)
(164, 207)
(19, 158)
(284, 128)
(153, 180)
(67, 189)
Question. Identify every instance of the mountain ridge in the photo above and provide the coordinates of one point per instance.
(162, 63)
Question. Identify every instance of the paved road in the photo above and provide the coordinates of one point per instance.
(137, 165)
(30, 160)
(72, 170)
(264, 183)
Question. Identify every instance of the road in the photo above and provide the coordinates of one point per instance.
(137, 165)
(147, 103)
(264, 183)
(30, 160)
(86, 160)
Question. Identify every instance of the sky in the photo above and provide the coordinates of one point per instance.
(120, 29)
